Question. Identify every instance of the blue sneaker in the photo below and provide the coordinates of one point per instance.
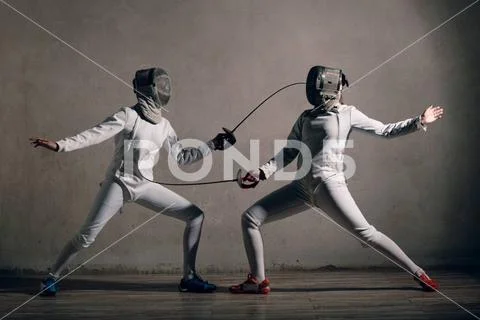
(196, 284)
(49, 287)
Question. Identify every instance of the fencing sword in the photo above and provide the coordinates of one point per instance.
(238, 178)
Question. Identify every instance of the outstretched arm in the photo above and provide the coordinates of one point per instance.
(395, 129)
(101, 132)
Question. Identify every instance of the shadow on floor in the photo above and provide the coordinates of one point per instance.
(336, 289)
(31, 286)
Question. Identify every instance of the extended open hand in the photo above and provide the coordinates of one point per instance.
(431, 114)
(40, 142)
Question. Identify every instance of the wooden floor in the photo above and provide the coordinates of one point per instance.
(364, 294)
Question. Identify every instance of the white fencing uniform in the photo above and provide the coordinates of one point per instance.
(325, 134)
(123, 184)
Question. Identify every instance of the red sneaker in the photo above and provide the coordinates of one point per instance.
(427, 283)
(252, 285)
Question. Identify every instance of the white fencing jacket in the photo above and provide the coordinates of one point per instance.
(126, 125)
(326, 133)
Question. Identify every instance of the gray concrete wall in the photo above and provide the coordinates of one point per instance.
(224, 57)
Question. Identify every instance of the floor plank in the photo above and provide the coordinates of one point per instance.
(341, 294)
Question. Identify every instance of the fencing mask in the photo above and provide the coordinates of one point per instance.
(324, 84)
(153, 89)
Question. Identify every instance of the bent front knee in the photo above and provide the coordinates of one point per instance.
(250, 219)
(194, 216)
